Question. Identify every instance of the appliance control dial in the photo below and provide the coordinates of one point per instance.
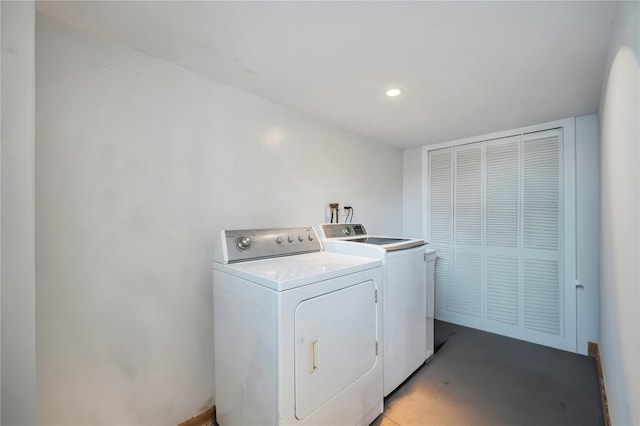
(346, 230)
(243, 243)
(240, 245)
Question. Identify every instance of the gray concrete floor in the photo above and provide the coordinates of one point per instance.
(479, 378)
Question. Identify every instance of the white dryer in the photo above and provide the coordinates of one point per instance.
(408, 294)
(297, 331)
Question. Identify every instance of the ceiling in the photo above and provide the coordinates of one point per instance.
(466, 68)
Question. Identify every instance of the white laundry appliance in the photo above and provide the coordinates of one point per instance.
(408, 294)
(297, 331)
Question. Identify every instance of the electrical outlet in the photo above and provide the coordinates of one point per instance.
(330, 212)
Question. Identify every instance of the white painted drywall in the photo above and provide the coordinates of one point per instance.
(18, 369)
(412, 199)
(139, 164)
(587, 230)
(620, 214)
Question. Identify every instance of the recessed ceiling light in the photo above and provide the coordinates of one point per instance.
(394, 92)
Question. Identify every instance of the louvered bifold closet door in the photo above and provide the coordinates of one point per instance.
(441, 218)
(465, 296)
(496, 217)
(502, 183)
(541, 216)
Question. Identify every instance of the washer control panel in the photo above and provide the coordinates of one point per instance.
(249, 244)
(342, 230)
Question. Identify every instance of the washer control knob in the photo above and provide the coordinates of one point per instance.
(300, 238)
(290, 238)
(310, 237)
(278, 240)
(346, 230)
(243, 243)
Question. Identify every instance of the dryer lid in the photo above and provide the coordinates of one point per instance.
(285, 273)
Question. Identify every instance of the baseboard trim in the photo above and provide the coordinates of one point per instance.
(594, 351)
(207, 417)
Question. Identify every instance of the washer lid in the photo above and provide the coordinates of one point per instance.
(285, 273)
(388, 243)
(356, 233)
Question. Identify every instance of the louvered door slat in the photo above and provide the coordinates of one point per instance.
(465, 295)
(502, 289)
(441, 189)
(502, 194)
(442, 277)
(541, 192)
(541, 295)
(468, 197)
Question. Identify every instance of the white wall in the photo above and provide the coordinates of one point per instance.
(139, 164)
(620, 217)
(18, 355)
(588, 230)
(412, 189)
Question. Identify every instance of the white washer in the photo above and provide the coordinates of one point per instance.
(408, 294)
(297, 336)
